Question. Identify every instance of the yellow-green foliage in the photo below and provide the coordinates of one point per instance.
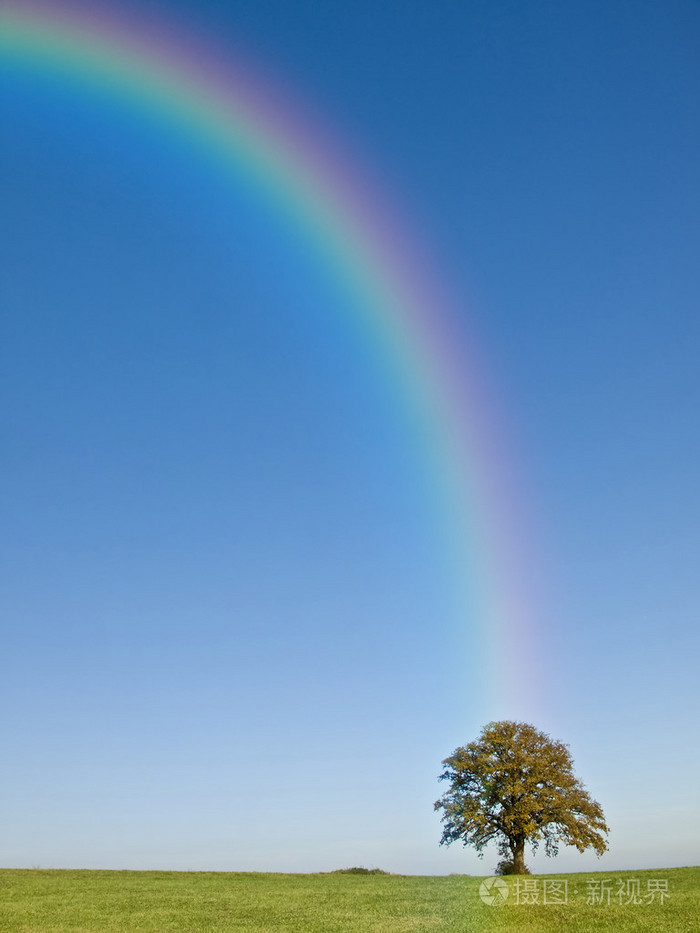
(515, 785)
(182, 902)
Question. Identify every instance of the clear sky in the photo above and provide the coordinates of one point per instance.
(228, 639)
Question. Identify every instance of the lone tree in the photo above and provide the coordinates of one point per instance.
(515, 785)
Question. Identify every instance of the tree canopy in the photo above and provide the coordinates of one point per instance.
(515, 785)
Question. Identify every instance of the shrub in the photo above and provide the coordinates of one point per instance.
(506, 867)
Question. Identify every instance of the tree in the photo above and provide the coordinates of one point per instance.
(515, 785)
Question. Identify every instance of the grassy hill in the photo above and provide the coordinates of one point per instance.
(53, 901)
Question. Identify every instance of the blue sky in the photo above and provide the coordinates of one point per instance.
(228, 640)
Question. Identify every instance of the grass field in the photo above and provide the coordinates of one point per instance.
(48, 901)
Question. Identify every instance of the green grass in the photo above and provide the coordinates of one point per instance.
(48, 901)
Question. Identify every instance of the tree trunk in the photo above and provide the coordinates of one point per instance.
(517, 847)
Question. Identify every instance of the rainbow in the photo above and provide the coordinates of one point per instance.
(408, 320)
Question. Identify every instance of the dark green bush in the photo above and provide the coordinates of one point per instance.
(505, 867)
